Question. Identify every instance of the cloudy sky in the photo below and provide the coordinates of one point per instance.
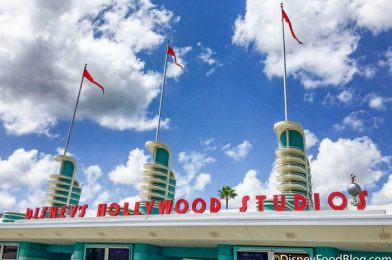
(218, 112)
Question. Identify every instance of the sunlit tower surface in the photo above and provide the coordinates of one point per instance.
(64, 189)
(159, 181)
(292, 165)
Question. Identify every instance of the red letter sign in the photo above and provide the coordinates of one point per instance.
(202, 207)
(282, 203)
(300, 202)
(178, 206)
(332, 204)
(215, 205)
(362, 201)
(244, 206)
(260, 202)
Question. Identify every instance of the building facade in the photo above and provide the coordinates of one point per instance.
(223, 236)
(153, 234)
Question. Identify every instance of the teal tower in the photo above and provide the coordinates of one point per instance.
(292, 165)
(159, 181)
(64, 189)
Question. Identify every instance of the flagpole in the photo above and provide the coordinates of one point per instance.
(285, 73)
(162, 90)
(74, 113)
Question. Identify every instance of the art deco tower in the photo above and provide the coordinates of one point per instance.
(64, 189)
(159, 181)
(292, 164)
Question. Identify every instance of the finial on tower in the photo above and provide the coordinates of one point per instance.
(354, 190)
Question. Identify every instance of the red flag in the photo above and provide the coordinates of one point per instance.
(88, 76)
(171, 53)
(286, 18)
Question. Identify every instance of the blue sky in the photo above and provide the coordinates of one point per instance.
(218, 112)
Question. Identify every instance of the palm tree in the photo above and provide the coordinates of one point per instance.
(227, 193)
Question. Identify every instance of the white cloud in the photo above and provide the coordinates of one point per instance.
(103, 197)
(252, 186)
(93, 173)
(374, 15)
(346, 96)
(384, 195)
(238, 152)
(91, 188)
(209, 144)
(191, 181)
(333, 38)
(207, 57)
(310, 139)
(201, 181)
(193, 161)
(386, 61)
(210, 71)
(351, 121)
(369, 72)
(378, 102)
(35, 199)
(26, 169)
(47, 44)
(7, 201)
(343, 98)
(358, 121)
(130, 173)
(335, 162)
(309, 97)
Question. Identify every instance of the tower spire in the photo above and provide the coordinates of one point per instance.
(162, 91)
(284, 70)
